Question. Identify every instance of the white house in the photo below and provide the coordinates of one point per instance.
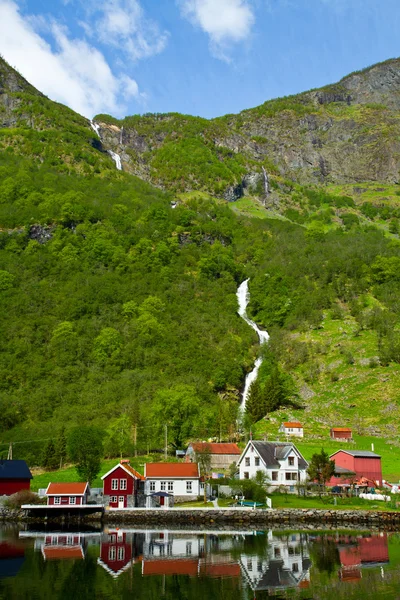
(292, 428)
(163, 480)
(280, 461)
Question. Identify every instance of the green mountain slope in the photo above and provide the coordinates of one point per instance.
(119, 308)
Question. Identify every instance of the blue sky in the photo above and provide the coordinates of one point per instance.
(202, 57)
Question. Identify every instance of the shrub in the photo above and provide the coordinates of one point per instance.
(23, 497)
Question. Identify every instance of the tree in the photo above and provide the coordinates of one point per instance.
(178, 407)
(321, 469)
(255, 403)
(61, 447)
(85, 448)
(49, 460)
(203, 458)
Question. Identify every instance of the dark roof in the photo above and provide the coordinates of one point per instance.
(14, 469)
(359, 453)
(270, 452)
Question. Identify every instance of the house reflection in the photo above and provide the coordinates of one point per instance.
(358, 552)
(285, 563)
(12, 556)
(120, 550)
(56, 545)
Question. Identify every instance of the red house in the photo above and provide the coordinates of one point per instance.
(14, 477)
(362, 463)
(341, 433)
(115, 553)
(62, 546)
(121, 485)
(67, 494)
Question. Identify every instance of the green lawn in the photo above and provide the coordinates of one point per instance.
(327, 503)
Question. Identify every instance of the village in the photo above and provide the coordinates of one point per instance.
(211, 474)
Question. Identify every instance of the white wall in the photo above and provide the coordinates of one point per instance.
(252, 454)
(179, 488)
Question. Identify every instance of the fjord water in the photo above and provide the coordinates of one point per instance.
(197, 564)
(243, 300)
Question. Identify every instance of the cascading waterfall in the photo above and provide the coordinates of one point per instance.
(116, 158)
(266, 181)
(243, 300)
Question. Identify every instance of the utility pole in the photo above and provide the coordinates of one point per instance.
(135, 438)
(9, 457)
(166, 441)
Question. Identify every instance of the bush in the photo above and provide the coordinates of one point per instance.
(23, 497)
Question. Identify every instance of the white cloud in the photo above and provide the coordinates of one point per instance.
(122, 24)
(225, 21)
(74, 73)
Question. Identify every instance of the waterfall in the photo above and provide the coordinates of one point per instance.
(116, 158)
(266, 181)
(95, 128)
(243, 300)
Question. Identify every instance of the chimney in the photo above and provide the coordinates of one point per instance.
(124, 461)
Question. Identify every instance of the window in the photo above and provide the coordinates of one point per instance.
(257, 461)
(113, 499)
(291, 476)
(246, 474)
(163, 486)
(170, 486)
(274, 475)
(111, 553)
(249, 564)
(114, 484)
(57, 500)
(259, 566)
(188, 548)
(247, 461)
(72, 500)
(188, 487)
(295, 568)
(121, 553)
(152, 486)
(123, 484)
(277, 552)
(291, 461)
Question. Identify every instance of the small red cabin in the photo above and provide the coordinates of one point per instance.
(341, 433)
(67, 494)
(14, 477)
(115, 553)
(362, 463)
(121, 485)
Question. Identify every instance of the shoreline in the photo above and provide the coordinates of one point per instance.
(260, 518)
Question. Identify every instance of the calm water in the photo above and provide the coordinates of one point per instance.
(194, 565)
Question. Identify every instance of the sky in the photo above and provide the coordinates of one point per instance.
(199, 57)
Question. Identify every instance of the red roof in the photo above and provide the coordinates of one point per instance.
(294, 424)
(220, 570)
(170, 567)
(223, 448)
(341, 429)
(66, 489)
(62, 552)
(183, 470)
(132, 471)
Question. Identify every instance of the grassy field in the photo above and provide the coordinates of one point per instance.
(327, 503)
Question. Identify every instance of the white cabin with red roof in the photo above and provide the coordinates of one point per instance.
(122, 485)
(222, 454)
(165, 480)
(67, 494)
(292, 428)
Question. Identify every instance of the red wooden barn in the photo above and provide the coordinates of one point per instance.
(121, 485)
(362, 463)
(14, 477)
(115, 553)
(341, 433)
(67, 494)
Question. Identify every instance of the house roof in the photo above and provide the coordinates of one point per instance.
(293, 424)
(345, 429)
(272, 452)
(14, 469)
(223, 448)
(358, 453)
(127, 468)
(220, 569)
(170, 567)
(66, 489)
(171, 470)
(62, 552)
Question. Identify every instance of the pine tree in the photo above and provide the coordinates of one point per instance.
(61, 447)
(254, 403)
(274, 393)
(49, 460)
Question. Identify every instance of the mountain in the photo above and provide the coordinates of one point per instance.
(118, 291)
(342, 133)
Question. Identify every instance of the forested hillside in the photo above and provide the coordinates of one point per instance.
(119, 299)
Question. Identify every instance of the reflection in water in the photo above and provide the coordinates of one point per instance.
(253, 564)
